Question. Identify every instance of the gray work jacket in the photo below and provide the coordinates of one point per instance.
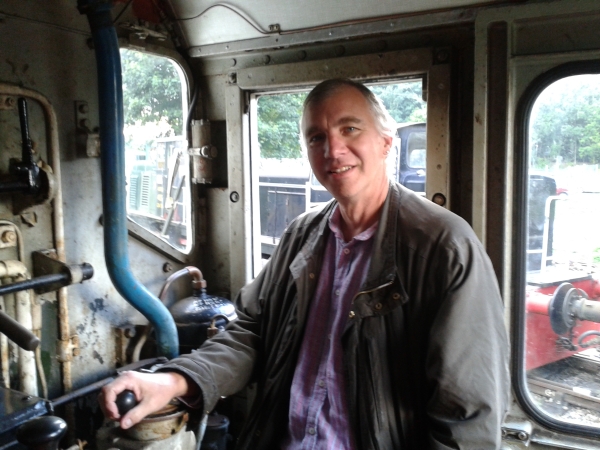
(425, 347)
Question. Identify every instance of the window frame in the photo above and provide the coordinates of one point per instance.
(136, 230)
(522, 117)
(421, 62)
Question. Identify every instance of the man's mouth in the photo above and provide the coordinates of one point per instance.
(341, 169)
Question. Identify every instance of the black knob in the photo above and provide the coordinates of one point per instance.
(42, 433)
(126, 401)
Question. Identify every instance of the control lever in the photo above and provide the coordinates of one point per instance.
(17, 333)
(125, 402)
(27, 173)
(42, 433)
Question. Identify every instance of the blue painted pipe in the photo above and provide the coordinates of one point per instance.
(110, 91)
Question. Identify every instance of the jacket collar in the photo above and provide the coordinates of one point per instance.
(383, 261)
(383, 268)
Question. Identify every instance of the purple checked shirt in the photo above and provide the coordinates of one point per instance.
(318, 417)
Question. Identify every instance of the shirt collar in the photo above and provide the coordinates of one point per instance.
(335, 223)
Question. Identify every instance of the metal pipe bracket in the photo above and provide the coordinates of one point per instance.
(45, 262)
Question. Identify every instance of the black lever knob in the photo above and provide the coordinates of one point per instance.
(42, 433)
(126, 401)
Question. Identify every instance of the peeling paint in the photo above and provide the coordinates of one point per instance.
(97, 356)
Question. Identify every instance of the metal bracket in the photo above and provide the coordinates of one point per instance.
(88, 141)
(518, 430)
(67, 349)
(45, 262)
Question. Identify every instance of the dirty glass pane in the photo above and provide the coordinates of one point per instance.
(286, 187)
(156, 160)
(563, 251)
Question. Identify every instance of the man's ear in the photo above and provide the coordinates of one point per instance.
(387, 143)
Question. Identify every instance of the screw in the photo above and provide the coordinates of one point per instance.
(9, 237)
(339, 50)
(442, 55)
(167, 267)
(234, 196)
(84, 108)
(129, 332)
(10, 102)
(522, 436)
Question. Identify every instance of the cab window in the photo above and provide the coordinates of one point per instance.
(562, 254)
(156, 159)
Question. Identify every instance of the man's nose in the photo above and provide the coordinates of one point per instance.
(335, 146)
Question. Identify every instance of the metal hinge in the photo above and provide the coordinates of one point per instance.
(517, 430)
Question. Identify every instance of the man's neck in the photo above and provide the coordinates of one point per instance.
(357, 217)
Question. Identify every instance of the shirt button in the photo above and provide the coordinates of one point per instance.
(312, 431)
(346, 251)
(311, 276)
(351, 315)
(321, 383)
(396, 296)
(337, 292)
(378, 306)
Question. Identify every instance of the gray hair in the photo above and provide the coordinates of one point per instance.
(386, 125)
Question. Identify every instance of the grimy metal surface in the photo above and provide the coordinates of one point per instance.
(54, 59)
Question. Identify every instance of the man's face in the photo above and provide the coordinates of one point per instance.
(346, 150)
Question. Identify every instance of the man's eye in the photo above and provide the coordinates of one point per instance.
(350, 129)
(316, 138)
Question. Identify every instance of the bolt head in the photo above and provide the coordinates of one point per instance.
(9, 237)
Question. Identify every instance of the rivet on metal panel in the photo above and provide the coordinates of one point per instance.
(439, 199)
(266, 59)
(381, 45)
(301, 55)
(7, 102)
(167, 267)
(233, 62)
(8, 237)
(234, 197)
(442, 55)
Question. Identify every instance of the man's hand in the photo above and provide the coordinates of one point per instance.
(152, 390)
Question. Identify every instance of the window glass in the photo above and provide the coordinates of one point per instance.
(286, 185)
(562, 356)
(156, 159)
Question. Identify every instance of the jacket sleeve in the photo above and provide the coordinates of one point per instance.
(467, 358)
(223, 365)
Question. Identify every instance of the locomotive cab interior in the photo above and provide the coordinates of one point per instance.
(150, 160)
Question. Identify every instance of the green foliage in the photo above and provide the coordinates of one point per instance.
(151, 91)
(565, 127)
(279, 116)
(278, 125)
(404, 101)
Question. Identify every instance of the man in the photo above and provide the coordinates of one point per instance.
(377, 323)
